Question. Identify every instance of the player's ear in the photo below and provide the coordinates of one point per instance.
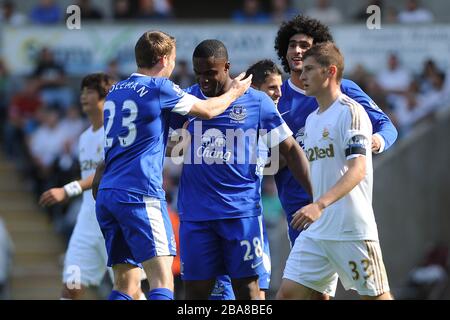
(164, 60)
(332, 70)
(227, 66)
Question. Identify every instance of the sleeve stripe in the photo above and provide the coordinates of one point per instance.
(184, 105)
(277, 135)
(354, 110)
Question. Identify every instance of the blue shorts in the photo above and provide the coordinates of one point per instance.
(234, 247)
(136, 227)
(223, 289)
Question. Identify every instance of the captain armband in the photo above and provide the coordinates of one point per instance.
(356, 145)
(73, 189)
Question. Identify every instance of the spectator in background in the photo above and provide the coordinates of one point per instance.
(183, 75)
(52, 80)
(22, 119)
(436, 96)
(46, 145)
(282, 11)
(325, 12)
(147, 10)
(251, 12)
(408, 109)
(6, 252)
(426, 77)
(46, 12)
(9, 16)
(89, 12)
(123, 10)
(415, 14)
(414, 106)
(395, 79)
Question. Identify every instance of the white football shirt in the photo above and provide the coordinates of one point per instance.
(338, 134)
(90, 155)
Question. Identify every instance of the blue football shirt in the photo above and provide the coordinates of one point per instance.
(221, 175)
(137, 113)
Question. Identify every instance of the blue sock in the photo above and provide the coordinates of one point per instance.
(117, 295)
(160, 294)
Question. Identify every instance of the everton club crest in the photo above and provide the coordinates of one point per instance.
(238, 113)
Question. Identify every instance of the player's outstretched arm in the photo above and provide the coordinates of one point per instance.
(58, 195)
(97, 177)
(297, 162)
(208, 109)
(310, 213)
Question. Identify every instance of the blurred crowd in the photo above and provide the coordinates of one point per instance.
(48, 12)
(408, 98)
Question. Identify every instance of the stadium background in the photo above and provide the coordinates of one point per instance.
(412, 179)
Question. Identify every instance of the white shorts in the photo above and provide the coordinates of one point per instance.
(85, 260)
(317, 264)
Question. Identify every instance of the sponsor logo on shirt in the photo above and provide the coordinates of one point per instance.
(317, 153)
(213, 146)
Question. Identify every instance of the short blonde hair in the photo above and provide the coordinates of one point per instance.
(151, 46)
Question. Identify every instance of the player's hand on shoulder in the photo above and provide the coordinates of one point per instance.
(53, 196)
(305, 216)
(239, 85)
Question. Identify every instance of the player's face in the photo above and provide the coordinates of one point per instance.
(211, 74)
(314, 77)
(272, 86)
(298, 45)
(89, 99)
